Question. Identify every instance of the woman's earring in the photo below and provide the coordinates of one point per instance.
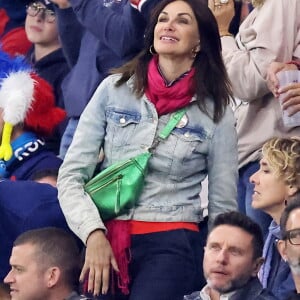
(285, 202)
(152, 50)
(195, 51)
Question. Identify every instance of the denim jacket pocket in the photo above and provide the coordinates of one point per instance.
(190, 148)
(121, 126)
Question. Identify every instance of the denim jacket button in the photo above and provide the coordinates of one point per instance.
(187, 134)
(122, 120)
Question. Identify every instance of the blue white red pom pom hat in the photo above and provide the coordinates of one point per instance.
(25, 98)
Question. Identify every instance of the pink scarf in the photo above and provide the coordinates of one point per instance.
(118, 234)
(168, 99)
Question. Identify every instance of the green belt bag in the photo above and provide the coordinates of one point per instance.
(117, 188)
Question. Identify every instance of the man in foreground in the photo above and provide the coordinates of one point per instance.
(232, 258)
(45, 265)
(289, 246)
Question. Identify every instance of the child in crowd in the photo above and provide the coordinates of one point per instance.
(96, 37)
(46, 55)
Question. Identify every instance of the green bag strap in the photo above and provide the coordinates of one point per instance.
(174, 120)
(166, 131)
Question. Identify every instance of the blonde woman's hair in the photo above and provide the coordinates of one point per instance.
(283, 156)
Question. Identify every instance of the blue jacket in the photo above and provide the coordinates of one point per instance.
(279, 278)
(25, 205)
(280, 281)
(253, 290)
(105, 38)
(39, 161)
(126, 126)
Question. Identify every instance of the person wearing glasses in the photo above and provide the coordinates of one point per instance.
(46, 55)
(276, 183)
(96, 35)
(289, 245)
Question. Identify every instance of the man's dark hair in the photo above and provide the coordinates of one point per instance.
(237, 219)
(294, 204)
(45, 173)
(55, 247)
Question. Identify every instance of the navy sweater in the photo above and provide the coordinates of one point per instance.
(95, 39)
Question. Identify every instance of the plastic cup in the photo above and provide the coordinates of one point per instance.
(286, 78)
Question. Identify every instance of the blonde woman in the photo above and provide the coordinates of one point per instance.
(276, 183)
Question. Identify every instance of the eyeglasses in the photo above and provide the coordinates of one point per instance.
(293, 236)
(34, 9)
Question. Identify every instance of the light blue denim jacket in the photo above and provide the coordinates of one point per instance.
(125, 126)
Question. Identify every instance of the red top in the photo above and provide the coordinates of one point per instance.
(141, 227)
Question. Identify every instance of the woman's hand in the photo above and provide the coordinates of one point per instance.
(224, 13)
(272, 79)
(98, 260)
(291, 98)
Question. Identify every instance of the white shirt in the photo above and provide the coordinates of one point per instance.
(204, 294)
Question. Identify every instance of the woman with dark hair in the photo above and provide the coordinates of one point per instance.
(180, 67)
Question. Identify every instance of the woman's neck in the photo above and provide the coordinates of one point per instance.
(276, 213)
(172, 69)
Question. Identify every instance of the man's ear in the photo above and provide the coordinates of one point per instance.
(281, 246)
(256, 266)
(52, 276)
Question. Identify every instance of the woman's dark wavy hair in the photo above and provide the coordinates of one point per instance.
(210, 74)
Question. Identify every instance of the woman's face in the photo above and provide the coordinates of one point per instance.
(176, 32)
(270, 191)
